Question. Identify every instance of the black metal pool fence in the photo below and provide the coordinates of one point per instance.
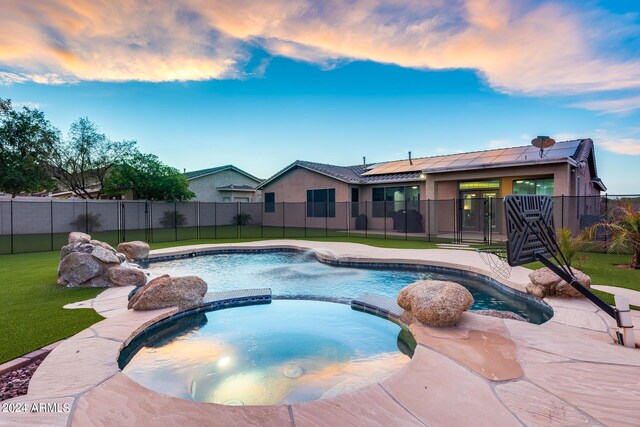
(40, 224)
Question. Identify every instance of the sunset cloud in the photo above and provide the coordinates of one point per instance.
(518, 47)
(621, 105)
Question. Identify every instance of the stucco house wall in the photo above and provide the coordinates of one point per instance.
(292, 189)
(206, 187)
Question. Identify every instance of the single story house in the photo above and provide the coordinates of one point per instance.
(465, 188)
(224, 184)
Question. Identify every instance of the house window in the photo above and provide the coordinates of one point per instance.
(394, 199)
(355, 205)
(542, 186)
(269, 202)
(321, 203)
(226, 199)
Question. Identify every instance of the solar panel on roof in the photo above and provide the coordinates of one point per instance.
(481, 160)
(460, 162)
(555, 154)
(505, 158)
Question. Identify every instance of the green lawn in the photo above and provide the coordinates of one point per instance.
(32, 315)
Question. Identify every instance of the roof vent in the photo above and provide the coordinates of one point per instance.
(410, 161)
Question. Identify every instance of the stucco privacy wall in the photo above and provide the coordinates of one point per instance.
(205, 187)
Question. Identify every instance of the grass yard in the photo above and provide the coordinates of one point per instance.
(32, 314)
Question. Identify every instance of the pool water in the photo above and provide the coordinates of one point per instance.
(284, 352)
(300, 275)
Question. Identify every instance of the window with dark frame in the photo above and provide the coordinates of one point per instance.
(355, 202)
(269, 202)
(321, 203)
(394, 199)
(541, 186)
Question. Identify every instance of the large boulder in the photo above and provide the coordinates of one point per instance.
(435, 302)
(134, 250)
(78, 268)
(105, 255)
(78, 237)
(86, 248)
(126, 276)
(546, 283)
(163, 291)
(103, 245)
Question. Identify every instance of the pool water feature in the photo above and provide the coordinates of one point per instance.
(301, 275)
(284, 352)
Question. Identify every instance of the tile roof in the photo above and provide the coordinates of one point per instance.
(233, 187)
(204, 172)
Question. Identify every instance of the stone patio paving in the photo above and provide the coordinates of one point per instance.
(485, 371)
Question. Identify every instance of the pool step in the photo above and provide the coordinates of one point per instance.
(235, 298)
(377, 305)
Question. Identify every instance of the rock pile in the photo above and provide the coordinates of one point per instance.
(546, 283)
(85, 262)
(435, 302)
(164, 291)
(16, 383)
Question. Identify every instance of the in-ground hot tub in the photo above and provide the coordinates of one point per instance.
(284, 352)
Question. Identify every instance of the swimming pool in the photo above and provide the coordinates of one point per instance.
(284, 352)
(294, 274)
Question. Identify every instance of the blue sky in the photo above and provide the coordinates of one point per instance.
(263, 88)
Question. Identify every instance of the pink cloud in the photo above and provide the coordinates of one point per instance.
(530, 48)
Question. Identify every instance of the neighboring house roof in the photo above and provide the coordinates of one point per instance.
(210, 171)
(573, 152)
(233, 187)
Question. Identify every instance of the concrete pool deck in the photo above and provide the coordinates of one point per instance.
(485, 371)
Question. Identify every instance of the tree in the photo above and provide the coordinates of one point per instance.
(149, 179)
(86, 157)
(623, 226)
(26, 141)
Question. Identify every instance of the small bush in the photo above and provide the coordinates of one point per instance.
(241, 219)
(89, 222)
(171, 219)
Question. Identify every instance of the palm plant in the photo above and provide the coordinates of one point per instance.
(623, 228)
(571, 246)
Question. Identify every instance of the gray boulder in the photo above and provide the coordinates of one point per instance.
(134, 250)
(435, 302)
(546, 283)
(126, 276)
(105, 255)
(162, 292)
(78, 237)
(103, 245)
(77, 268)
